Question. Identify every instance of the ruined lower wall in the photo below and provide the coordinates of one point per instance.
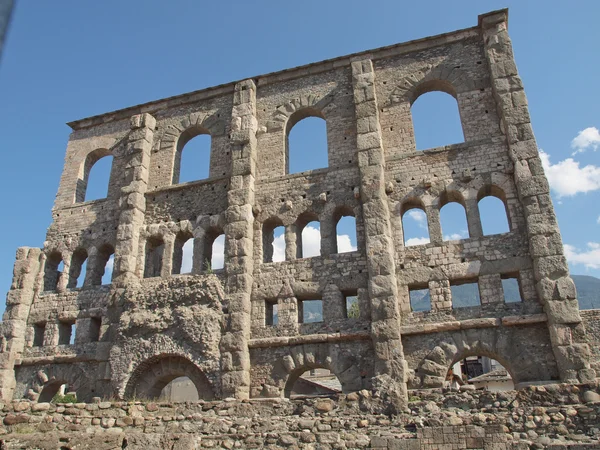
(552, 416)
(591, 320)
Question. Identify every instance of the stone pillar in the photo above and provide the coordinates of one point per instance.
(239, 232)
(333, 304)
(328, 237)
(290, 242)
(167, 256)
(555, 288)
(390, 365)
(435, 228)
(440, 295)
(473, 218)
(14, 325)
(132, 200)
(490, 288)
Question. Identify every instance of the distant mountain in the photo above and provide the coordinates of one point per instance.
(588, 291)
(588, 294)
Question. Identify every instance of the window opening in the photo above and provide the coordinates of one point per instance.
(311, 239)
(183, 254)
(346, 234)
(66, 333)
(77, 270)
(352, 307)
(154, 257)
(53, 271)
(310, 311)
(420, 298)
(195, 159)
(436, 120)
(98, 179)
(306, 143)
(95, 328)
(217, 260)
(415, 227)
(315, 382)
(273, 241)
(511, 289)
(453, 220)
(493, 215)
(465, 294)
(482, 372)
(39, 329)
(271, 313)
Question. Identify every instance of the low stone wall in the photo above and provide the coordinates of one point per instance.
(554, 417)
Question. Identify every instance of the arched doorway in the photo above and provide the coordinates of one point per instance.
(316, 382)
(150, 377)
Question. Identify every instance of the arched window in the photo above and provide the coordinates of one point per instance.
(192, 156)
(308, 237)
(345, 231)
(155, 248)
(53, 270)
(183, 251)
(273, 241)
(181, 389)
(214, 250)
(453, 216)
(415, 228)
(77, 269)
(51, 390)
(94, 176)
(102, 271)
(435, 115)
(306, 141)
(493, 211)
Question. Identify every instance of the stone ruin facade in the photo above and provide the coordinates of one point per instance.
(152, 324)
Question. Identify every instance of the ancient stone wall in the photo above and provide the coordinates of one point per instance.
(554, 417)
(153, 324)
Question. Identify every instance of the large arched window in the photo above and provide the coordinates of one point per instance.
(273, 241)
(415, 228)
(435, 116)
(493, 211)
(192, 156)
(94, 176)
(453, 216)
(345, 230)
(306, 141)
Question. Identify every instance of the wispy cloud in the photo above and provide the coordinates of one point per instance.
(418, 216)
(416, 241)
(585, 140)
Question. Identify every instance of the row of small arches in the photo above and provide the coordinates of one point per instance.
(436, 122)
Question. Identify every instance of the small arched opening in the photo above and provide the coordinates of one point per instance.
(192, 155)
(53, 270)
(306, 141)
(94, 176)
(482, 372)
(493, 211)
(453, 216)
(273, 240)
(181, 389)
(78, 268)
(345, 230)
(150, 378)
(308, 237)
(435, 115)
(313, 382)
(103, 268)
(183, 253)
(155, 247)
(415, 228)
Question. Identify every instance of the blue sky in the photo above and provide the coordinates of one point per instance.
(70, 59)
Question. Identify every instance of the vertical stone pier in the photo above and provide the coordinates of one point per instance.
(555, 288)
(383, 292)
(239, 265)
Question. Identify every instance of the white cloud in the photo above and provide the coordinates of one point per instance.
(416, 241)
(590, 257)
(218, 253)
(108, 270)
(586, 139)
(418, 216)
(567, 178)
(344, 244)
(598, 220)
(311, 242)
(279, 248)
(454, 237)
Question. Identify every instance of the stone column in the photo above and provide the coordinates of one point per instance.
(290, 242)
(239, 232)
(440, 295)
(383, 291)
(132, 200)
(435, 227)
(490, 289)
(14, 325)
(473, 218)
(555, 288)
(167, 256)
